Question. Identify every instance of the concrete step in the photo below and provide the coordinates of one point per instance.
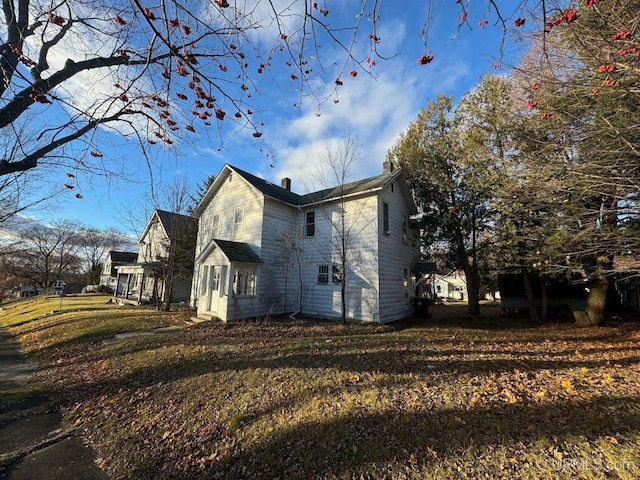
(202, 318)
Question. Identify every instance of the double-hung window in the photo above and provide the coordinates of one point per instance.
(331, 273)
(238, 218)
(323, 274)
(310, 224)
(215, 225)
(336, 274)
(385, 218)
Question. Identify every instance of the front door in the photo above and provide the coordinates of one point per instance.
(214, 286)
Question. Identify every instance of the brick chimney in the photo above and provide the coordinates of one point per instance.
(387, 167)
(286, 183)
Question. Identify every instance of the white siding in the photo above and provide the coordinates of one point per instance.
(280, 285)
(375, 261)
(233, 193)
(396, 254)
(324, 248)
(154, 242)
(105, 276)
(258, 226)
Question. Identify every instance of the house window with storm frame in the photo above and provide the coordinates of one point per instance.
(238, 219)
(310, 224)
(215, 225)
(244, 281)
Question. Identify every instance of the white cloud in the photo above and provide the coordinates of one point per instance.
(375, 110)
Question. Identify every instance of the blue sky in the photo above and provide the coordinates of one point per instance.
(376, 108)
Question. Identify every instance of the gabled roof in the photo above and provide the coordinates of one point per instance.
(169, 220)
(237, 252)
(352, 188)
(286, 196)
(270, 189)
(122, 257)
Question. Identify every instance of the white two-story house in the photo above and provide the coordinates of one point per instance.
(108, 276)
(263, 249)
(165, 252)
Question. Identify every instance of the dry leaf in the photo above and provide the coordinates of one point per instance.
(459, 421)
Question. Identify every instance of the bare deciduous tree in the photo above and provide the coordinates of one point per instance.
(48, 253)
(337, 161)
(94, 244)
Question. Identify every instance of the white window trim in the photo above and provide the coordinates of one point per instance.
(323, 274)
(245, 284)
(215, 225)
(307, 224)
(237, 226)
(336, 271)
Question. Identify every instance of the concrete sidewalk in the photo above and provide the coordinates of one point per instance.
(33, 443)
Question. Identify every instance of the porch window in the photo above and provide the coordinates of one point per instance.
(310, 224)
(336, 274)
(215, 284)
(203, 282)
(251, 282)
(385, 218)
(238, 218)
(225, 280)
(244, 281)
(323, 274)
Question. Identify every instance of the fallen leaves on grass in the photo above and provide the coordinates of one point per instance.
(306, 399)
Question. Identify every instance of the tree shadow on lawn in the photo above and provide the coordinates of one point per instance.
(395, 442)
(393, 361)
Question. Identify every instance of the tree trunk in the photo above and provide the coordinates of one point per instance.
(343, 294)
(528, 291)
(473, 291)
(168, 292)
(597, 292)
(155, 292)
(595, 302)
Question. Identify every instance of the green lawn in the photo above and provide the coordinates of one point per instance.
(437, 399)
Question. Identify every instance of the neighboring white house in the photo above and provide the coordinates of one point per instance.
(451, 286)
(263, 249)
(115, 259)
(167, 235)
(57, 288)
(30, 291)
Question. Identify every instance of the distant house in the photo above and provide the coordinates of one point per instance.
(451, 286)
(264, 249)
(30, 291)
(57, 288)
(164, 263)
(115, 259)
(627, 281)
